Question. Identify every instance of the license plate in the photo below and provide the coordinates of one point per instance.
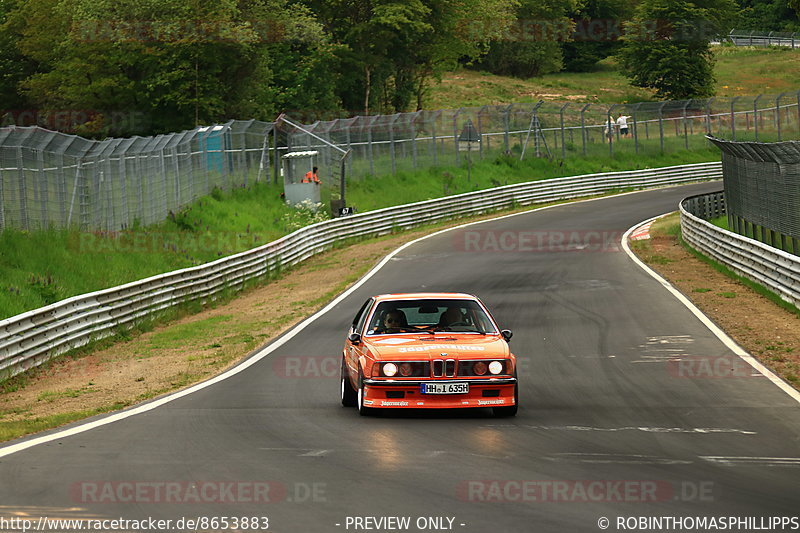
(445, 388)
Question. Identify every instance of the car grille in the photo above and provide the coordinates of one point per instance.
(444, 368)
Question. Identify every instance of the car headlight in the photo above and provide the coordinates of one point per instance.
(479, 368)
(389, 369)
(406, 369)
(495, 367)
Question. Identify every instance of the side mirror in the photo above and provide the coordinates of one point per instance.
(506, 333)
(355, 338)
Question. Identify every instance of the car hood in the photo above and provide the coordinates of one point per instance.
(427, 347)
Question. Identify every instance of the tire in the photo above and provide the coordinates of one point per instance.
(348, 392)
(363, 411)
(508, 411)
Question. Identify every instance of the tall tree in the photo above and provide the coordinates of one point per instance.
(14, 66)
(768, 15)
(161, 65)
(598, 28)
(533, 46)
(395, 46)
(667, 48)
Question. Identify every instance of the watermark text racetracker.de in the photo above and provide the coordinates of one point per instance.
(584, 491)
(537, 241)
(138, 492)
(710, 367)
(155, 242)
(307, 366)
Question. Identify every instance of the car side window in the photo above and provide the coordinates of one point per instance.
(361, 316)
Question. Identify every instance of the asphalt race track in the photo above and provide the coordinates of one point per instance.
(610, 424)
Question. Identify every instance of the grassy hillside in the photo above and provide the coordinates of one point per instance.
(739, 71)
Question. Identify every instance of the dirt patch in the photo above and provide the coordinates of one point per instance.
(559, 96)
(766, 330)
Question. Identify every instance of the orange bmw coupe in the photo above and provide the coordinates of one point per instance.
(428, 350)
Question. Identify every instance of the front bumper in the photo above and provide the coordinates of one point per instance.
(396, 393)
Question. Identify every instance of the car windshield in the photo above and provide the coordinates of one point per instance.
(414, 316)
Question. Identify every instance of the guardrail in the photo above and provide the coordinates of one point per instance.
(777, 270)
(31, 338)
(756, 38)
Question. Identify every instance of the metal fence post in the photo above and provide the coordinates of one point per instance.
(563, 145)
(391, 141)
(708, 115)
(369, 145)
(755, 114)
(661, 124)
(23, 193)
(414, 139)
(636, 128)
(43, 193)
(685, 132)
(84, 206)
(778, 114)
(798, 111)
(610, 126)
(264, 155)
(163, 164)
(275, 155)
(733, 117)
(433, 134)
(506, 124)
(61, 190)
(455, 132)
(480, 131)
(583, 127)
(2, 203)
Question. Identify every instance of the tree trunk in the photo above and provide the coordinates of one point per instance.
(366, 95)
(421, 79)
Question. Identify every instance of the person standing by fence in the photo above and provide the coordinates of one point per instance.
(622, 124)
(608, 129)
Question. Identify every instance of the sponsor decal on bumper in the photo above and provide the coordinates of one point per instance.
(491, 402)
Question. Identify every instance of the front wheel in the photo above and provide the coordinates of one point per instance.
(510, 410)
(347, 390)
(362, 410)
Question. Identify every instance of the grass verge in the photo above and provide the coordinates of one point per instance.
(755, 317)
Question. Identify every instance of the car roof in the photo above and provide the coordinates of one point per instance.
(424, 296)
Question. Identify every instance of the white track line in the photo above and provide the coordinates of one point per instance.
(258, 356)
(721, 335)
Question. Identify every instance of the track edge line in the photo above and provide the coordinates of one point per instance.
(716, 330)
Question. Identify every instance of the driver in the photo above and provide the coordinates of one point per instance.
(394, 321)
